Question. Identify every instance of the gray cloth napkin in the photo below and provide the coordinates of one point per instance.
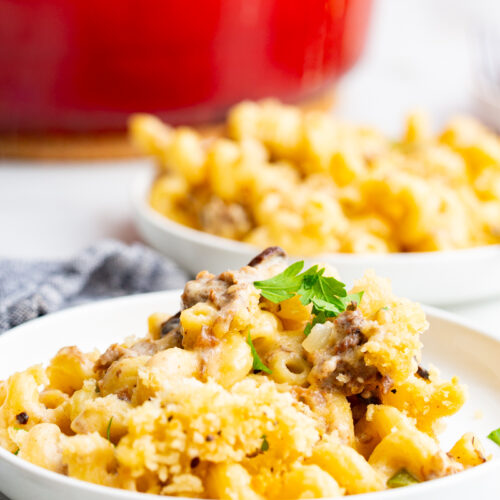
(107, 269)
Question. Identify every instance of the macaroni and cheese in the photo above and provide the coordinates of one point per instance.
(311, 184)
(269, 383)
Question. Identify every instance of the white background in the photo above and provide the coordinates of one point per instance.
(419, 55)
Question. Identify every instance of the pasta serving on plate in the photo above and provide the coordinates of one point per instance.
(271, 382)
(312, 184)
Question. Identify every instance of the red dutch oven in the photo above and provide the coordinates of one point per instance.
(85, 65)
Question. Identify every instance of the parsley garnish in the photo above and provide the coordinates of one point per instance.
(108, 430)
(327, 295)
(402, 478)
(283, 286)
(258, 365)
(17, 451)
(265, 444)
(495, 436)
(320, 317)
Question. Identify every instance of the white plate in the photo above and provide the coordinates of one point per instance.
(452, 345)
(438, 278)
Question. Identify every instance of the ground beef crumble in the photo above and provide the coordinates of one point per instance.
(342, 365)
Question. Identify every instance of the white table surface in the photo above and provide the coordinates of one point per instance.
(418, 56)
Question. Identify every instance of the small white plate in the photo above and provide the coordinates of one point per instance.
(450, 344)
(438, 278)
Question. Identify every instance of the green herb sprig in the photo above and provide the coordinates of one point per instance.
(402, 478)
(327, 295)
(495, 436)
(258, 364)
(265, 444)
(108, 430)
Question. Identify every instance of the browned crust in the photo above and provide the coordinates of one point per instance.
(423, 373)
(171, 324)
(266, 254)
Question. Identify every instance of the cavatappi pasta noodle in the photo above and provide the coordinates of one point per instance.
(180, 412)
(311, 184)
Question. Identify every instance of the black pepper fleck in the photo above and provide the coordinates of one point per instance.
(209, 438)
(22, 418)
(195, 462)
(423, 373)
